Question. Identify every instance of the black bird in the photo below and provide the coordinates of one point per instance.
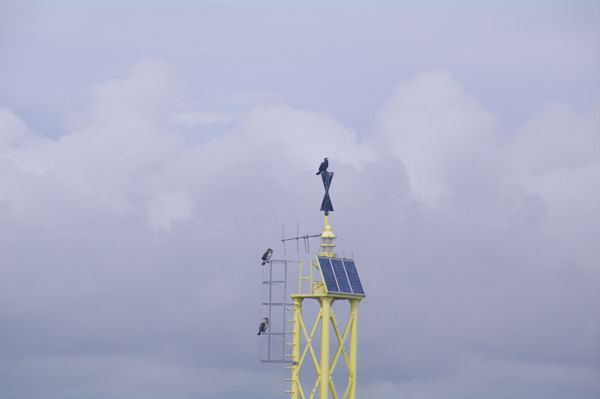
(323, 166)
(263, 326)
(266, 256)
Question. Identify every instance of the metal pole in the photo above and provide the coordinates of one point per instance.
(324, 367)
(284, 307)
(296, 349)
(353, 346)
(270, 318)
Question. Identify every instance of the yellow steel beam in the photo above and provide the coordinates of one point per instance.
(309, 343)
(314, 389)
(341, 341)
(347, 391)
(324, 374)
(296, 349)
(332, 388)
(353, 347)
(301, 391)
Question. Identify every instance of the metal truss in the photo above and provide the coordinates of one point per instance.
(323, 366)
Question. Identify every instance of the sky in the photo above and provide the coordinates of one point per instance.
(151, 151)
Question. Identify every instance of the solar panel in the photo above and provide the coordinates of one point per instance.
(340, 275)
(353, 277)
(328, 275)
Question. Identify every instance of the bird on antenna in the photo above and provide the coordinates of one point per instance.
(323, 166)
(263, 326)
(266, 256)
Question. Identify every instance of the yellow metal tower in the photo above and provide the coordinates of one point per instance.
(338, 282)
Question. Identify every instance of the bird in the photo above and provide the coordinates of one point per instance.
(266, 256)
(323, 166)
(263, 326)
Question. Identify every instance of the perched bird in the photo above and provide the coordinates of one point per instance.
(266, 256)
(263, 326)
(323, 166)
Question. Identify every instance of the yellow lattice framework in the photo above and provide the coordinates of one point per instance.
(324, 365)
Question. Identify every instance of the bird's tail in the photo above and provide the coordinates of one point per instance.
(318, 173)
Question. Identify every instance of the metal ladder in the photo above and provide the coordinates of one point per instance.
(276, 307)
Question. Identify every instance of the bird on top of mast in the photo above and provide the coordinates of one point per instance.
(323, 166)
(326, 205)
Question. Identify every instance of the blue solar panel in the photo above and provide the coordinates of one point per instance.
(328, 275)
(340, 275)
(353, 277)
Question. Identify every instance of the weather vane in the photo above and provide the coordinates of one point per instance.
(326, 205)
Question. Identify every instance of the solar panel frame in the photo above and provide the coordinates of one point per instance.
(328, 275)
(353, 277)
(341, 276)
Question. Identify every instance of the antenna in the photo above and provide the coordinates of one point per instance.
(282, 238)
(305, 238)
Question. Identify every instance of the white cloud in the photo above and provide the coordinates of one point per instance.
(199, 118)
(446, 139)
(65, 377)
(18, 144)
(168, 207)
(140, 100)
(118, 142)
(556, 158)
(12, 129)
(247, 98)
(556, 138)
(305, 136)
(444, 282)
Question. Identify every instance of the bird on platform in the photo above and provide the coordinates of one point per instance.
(266, 256)
(263, 326)
(323, 166)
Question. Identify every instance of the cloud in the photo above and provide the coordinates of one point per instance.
(304, 136)
(200, 118)
(555, 158)
(168, 207)
(136, 252)
(130, 377)
(13, 131)
(128, 225)
(118, 141)
(142, 98)
(555, 138)
(446, 139)
(246, 98)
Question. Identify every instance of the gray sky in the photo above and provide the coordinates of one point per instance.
(150, 153)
